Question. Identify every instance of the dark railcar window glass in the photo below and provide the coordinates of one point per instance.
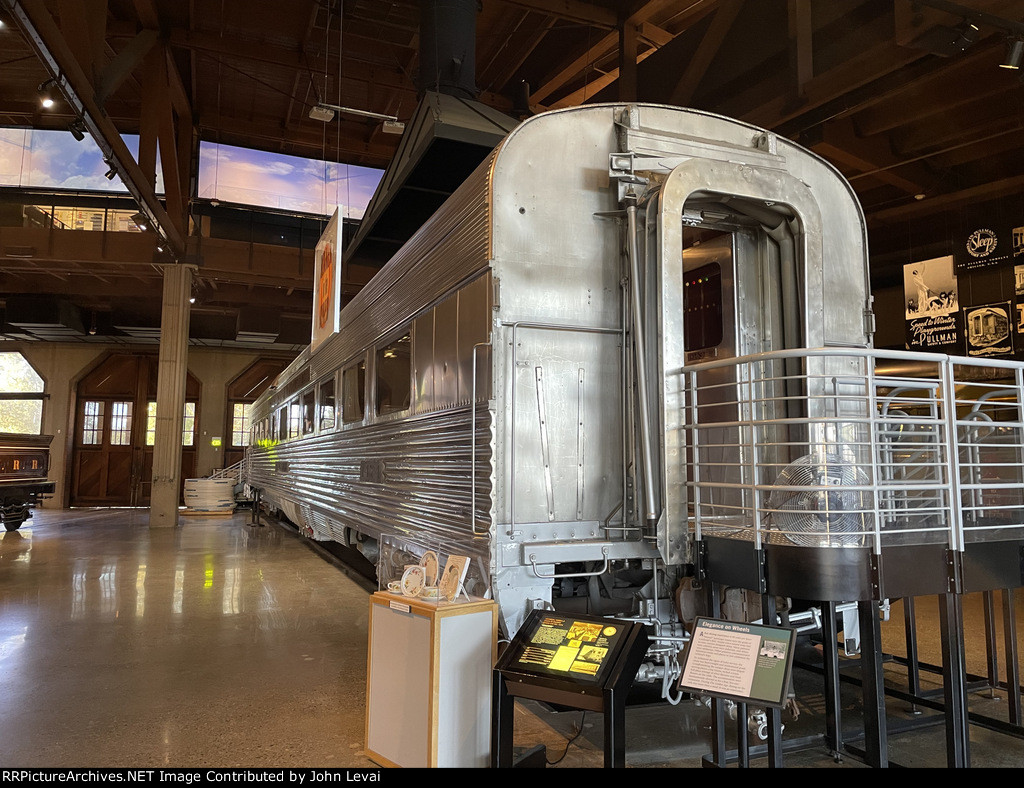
(702, 303)
(353, 400)
(394, 382)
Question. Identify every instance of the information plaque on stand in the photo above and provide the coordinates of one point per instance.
(579, 661)
(747, 663)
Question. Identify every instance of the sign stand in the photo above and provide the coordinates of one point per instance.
(746, 663)
(583, 662)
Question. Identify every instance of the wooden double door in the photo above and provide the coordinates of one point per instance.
(115, 431)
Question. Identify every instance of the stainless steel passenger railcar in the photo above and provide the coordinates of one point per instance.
(625, 332)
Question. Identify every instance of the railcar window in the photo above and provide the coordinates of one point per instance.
(325, 400)
(353, 399)
(282, 423)
(307, 406)
(294, 418)
(394, 384)
(702, 304)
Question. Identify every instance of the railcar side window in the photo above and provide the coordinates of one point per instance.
(282, 423)
(353, 400)
(307, 406)
(394, 384)
(325, 403)
(702, 303)
(294, 419)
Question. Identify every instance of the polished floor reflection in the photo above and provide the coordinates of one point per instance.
(223, 644)
(212, 644)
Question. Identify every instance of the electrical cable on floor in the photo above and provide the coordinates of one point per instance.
(568, 744)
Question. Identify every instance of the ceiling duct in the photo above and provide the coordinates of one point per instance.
(45, 317)
(449, 134)
(139, 328)
(257, 326)
(448, 47)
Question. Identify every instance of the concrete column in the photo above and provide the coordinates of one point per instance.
(170, 395)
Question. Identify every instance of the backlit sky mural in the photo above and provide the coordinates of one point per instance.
(43, 159)
(288, 183)
(56, 160)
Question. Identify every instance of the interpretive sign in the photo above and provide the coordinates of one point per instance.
(748, 663)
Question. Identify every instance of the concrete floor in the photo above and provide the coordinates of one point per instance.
(222, 644)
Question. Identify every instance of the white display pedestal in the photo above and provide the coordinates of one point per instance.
(429, 681)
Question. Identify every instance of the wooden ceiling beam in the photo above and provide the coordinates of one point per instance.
(555, 82)
(975, 120)
(571, 11)
(518, 46)
(857, 72)
(44, 36)
(948, 201)
(872, 157)
(935, 93)
(709, 45)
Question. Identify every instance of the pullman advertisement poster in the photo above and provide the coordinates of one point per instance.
(932, 305)
(989, 329)
(984, 245)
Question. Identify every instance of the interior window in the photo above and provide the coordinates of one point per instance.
(240, 416)
(22, 410)
(120, 423)
(394, 385)
(92, 423)
(188, 425)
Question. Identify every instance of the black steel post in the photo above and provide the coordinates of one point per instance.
(502, 721)
(876, 740)
(774, 715)
(991, 650)
(614, 729)
(1012, 657)
(833, 693)
(719, 755)
(742, 739)
(913, 663)
(954, 679)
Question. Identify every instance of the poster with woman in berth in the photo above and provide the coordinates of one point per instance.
(932, 305)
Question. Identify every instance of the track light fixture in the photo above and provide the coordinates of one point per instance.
(47, 92)
(1014, 54)
(110, 173)
(77, 129)
(325, 113)
(966, 34)
(140, 221)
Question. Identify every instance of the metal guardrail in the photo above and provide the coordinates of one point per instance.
(837, 447)
(236, 471)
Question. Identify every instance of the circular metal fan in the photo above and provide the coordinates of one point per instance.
(825, 512)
